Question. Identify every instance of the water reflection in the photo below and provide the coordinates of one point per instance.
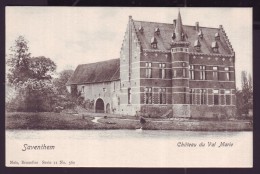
(120, 134)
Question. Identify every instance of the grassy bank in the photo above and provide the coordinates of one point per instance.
(195, 125)
(48, 121)
(44, 120)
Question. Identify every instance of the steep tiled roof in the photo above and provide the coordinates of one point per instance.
(96, 72)
(164, 40)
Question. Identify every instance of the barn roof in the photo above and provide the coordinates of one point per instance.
(164, 39)
(97, 72)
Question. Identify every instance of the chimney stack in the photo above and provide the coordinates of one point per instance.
(197, 26)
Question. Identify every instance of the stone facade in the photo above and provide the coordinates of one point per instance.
(107, 92)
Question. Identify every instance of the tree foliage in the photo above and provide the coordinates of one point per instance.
(23, 67)
(32, 78)
(244, 97)
(18, 61)
(41, 68)
(61, 81)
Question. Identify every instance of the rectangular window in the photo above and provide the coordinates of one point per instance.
(215, 73)
(202, 72)
(203, 96)
(82, 89)
(174, 73)
(183, 70)
(216, 96)
(162, 70)
(228, 97)
(191, 72)
(148, 72)
(162, 96)
(114, 86)
(148, 95)
(129, 96)
(227, 74)
(184, 98)
(191, 97)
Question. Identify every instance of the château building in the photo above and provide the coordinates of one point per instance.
(164, 69)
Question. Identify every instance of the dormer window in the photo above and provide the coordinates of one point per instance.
(217, 37)
(200, 34)
(157, 31)
(173, 36)
(182, 36)
(141, 29)
(197, 45)
(214, 47)
(154, 42)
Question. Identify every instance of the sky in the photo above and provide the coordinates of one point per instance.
(78, 35)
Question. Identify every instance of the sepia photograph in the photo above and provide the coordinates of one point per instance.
(128, 87)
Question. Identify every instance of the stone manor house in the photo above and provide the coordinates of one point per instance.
(164, 69)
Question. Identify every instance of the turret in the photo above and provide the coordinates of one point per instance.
(180, 75)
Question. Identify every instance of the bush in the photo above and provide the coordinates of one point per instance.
(16, 104)
(66, 101)
(35, 96)
(89, 105)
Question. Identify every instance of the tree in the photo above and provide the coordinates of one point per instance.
(23, 67)
(41, 68)
(250, 84)
(239, 102)
(60, 82)
(32, 77)
(244, 96)
(39, 95)
(18, 61)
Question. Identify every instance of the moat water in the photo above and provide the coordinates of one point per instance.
(139, 135)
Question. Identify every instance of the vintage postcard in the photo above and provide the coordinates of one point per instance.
(129, 87)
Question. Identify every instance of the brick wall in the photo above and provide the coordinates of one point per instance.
(154, 111)
(130, 72)
(212, 111)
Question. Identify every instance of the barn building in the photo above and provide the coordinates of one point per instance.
(163, 70)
